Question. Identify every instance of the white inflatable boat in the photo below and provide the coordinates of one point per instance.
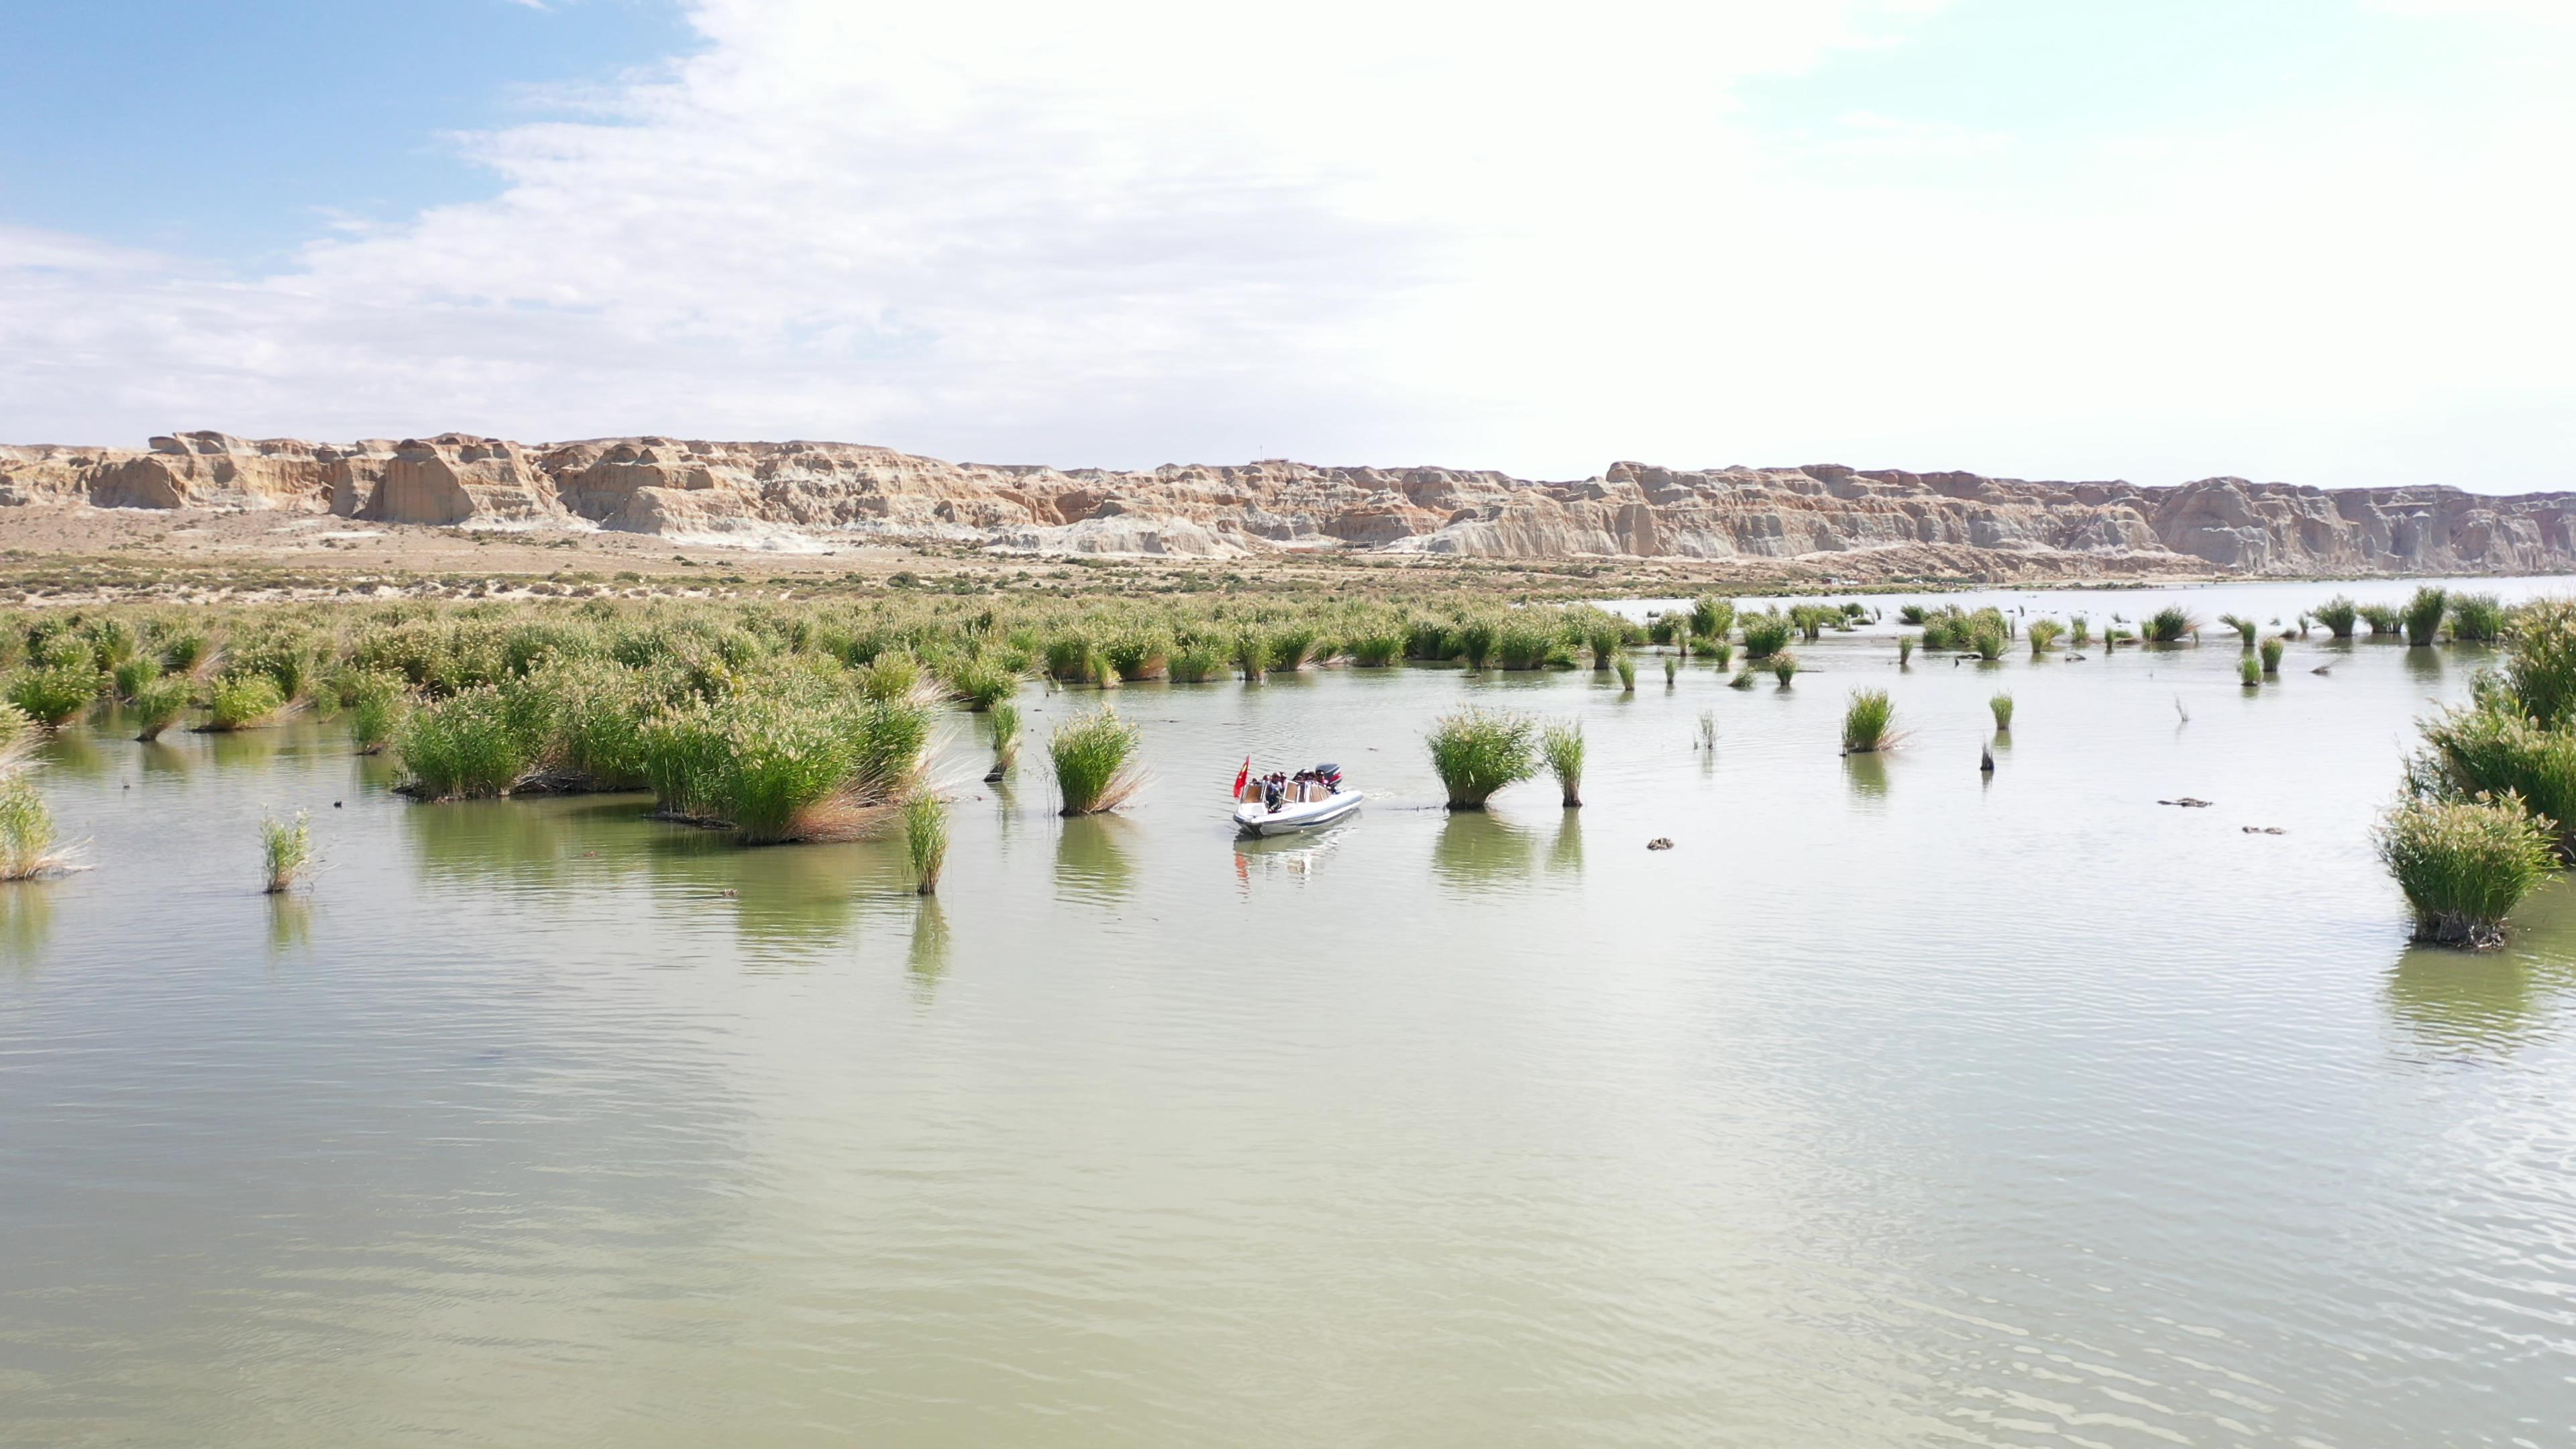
(1255, 815)
(1256, 819)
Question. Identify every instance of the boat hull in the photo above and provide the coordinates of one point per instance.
(1256, 823)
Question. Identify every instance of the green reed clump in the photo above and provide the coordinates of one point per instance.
(2489, 751)
(1377, 649)
(464, 746)
(891, 676)
(1075, 659)
(1005, 719)
(286, 848)
(1869, 720)
(2168, 625)
(1766, 634)
(2245, 628)
(1294, 646)
(1627, 671)
(2081, 629)
(2424, 613)
(243, 701)
(1717, 652)
(2464, 865)
(1672, 670)
(978, 681)
(377, 703)
(53, 695)
(1904, 650)
(2384, 618)
(2338, 614)
(158, 703)
(2043, 636)
(779, 761)
(1784, 667)
(17, 734)
(2477, 618)
(2249, 672)
(1745, 678)
(28, 838)
(1988, 638)
(1810, 620)
(683, 747)
(1474, 640)
(2538, 675)
(2002, 708)
(1477, 751)
(1524, 642)
(1252, 654)
(1711, 617)
(131, 675)
(1095, 766)
(925, 840)
(2271, 652)
(1139, 653)
(1561, 745)
(288, 659)
(1197, 661)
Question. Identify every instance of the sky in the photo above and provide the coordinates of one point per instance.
(2315, 241)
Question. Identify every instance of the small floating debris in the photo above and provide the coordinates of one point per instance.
(2265, 830)
(2189, 803)
(1985, 760)
(1660, 842)
(2320, 669)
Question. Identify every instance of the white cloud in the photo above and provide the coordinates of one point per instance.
(1530, 238)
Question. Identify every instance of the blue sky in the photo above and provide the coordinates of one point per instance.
(2305, 239)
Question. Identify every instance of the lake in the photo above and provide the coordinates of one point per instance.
(1895, 1104)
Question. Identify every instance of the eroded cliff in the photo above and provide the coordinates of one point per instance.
(752, 491)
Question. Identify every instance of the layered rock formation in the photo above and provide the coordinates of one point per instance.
(1820, 513)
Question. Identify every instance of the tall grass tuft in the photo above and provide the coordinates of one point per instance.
(2271, 653)
(2244, 628)
(1869, 719)
(133, 675)
(1707, 729)
(1744, 678)
(2083, 631)
(1904, 650)
(2464, 865)
(27, 835)
(1672, 670)
(2477, 618)
(1476, 752)
(463, 746)
(1711, 617)
(2491, 750)
(243, 701)
(1784, 667)
(53, 695)
(978, 682)
(1005, 718)
(1717, 652)
(2168, 625)
(1377, 648)
(158, 705)
(2423, 615)
(2539, 670)
(2338, 614)
(1562, 746)
(2043, 636)
(1252, 654)
(1766, 635)
(2383, 619)
(2249, 672)
(287, 847)
(1094, 762)
(1197, 661)
(2002, 706)
(1627, 668)
(925, 840)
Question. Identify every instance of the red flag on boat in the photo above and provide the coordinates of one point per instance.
(1242, 776)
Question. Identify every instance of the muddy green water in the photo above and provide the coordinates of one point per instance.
(1892, 1106)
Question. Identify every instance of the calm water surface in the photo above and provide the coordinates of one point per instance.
(1893, 1106)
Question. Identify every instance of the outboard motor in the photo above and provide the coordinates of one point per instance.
(1331, 777)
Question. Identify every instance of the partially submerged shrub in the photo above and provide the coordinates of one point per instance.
(1869, 720)
(2383, 618)
(2464, 865)
(1784, 667)
(2002, 706)
(1627, 668)
(1477, 751)
(2168, 625)
(1766, 635)
(2244, 627)
(1005, 718)
(53, 695)
(1904, 650)
(925, 840)
(1562, 746)
(27, 835)
(2477, 618)
(158, 705)
(286, 846)
(978, 682)
(2043, 636)
(2338, 614)
(464, 746)
(2490, 751)
(2539, 669)
(2423, 615)
(1711, 617)
(1196, 661)
(1376, 649)
(1094, 757)
(133, 675)
(2249, 671)
(243, 701)
(2271, 653)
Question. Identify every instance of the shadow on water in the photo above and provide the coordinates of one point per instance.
(1565, 853)
(1091, 858)
(1477, 852)
(2460, 1003)
(164, 760)
(239, 749)
(2424, 664)
(26, 922)
(927, 961)
(73, 752)
(290, 924)
(536, 842)
(1867, 775)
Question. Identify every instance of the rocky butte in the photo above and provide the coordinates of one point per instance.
(1881, 523)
